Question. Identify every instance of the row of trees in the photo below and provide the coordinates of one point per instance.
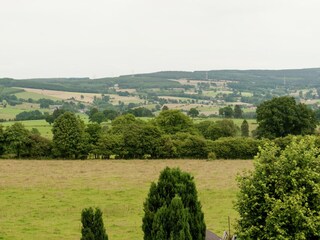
(229, 112)
(170, 135)
(21, 142)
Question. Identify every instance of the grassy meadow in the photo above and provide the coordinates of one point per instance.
(43, 126)
(10, 112)
(44, 199)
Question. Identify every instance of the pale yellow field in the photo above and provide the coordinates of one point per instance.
(87, 97)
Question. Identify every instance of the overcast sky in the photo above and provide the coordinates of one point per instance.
(96, 38)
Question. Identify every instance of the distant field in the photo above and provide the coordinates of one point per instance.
(126, 99)
(34, 96)
(43, 127)
(83, 97)
(44, 199)
(87, 97)
(10, 112)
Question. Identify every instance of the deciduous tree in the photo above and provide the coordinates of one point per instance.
(16, 138)
(68, 136)
(172, 121)
(282, 116)
(280, 198)
(193, 112)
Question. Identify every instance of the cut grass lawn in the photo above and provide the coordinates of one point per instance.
(44, 199)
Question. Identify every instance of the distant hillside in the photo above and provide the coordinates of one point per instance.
(249, 79)
(242, 80)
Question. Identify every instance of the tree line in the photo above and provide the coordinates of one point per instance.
(171, 134)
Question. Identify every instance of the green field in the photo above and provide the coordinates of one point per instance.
(43, 127)
(44, 199)
(10, 112)
(34, 96)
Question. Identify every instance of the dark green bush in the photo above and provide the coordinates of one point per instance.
(92, 225)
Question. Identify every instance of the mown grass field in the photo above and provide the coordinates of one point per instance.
(44, 199)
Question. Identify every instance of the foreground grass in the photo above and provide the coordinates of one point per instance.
(44, 199)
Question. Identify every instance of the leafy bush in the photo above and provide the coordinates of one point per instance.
(234, 148)
(190, 146)
(30, 115)
(212, 156)
(280, 199)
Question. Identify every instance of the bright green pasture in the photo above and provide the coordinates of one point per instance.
(10, 112)
(44, 199)
(43, 127)
(34, 96)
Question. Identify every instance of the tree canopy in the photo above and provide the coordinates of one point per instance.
(68, 136)
(173, 121)
(193, 112)
(282, 116)
(280, 199)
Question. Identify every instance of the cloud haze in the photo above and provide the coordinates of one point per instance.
(52, 38)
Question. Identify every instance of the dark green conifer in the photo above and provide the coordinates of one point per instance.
(92, 225)
(175, 198)
(245, 129)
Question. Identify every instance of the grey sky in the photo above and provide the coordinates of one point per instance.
(96, 38)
